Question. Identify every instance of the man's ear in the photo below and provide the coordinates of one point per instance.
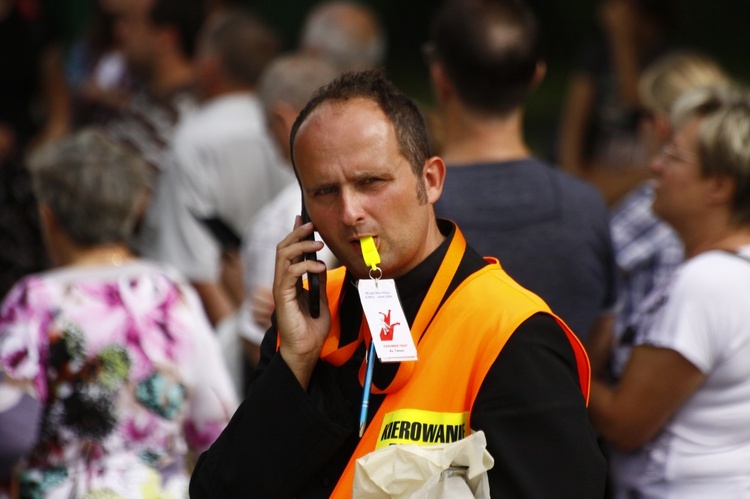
(722, 189)
(433, 176)
(539, 73)
(280, 118)
(287, 114)
(47, 219)
(662, 126)
(213, 69)
(169, 36)
(441, 84)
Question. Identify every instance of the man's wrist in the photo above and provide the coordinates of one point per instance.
(302, 366)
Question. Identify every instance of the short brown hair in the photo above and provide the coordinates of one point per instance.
(406, 118)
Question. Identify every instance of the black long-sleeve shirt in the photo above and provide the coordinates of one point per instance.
(284, 441)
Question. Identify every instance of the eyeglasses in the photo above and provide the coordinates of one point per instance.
(670, 151)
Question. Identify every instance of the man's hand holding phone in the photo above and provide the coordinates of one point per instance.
(302, 335)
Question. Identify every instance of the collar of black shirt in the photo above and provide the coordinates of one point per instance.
(412, 286)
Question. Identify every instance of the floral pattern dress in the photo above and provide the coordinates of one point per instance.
(129, 376)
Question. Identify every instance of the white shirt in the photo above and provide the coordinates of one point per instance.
(704, 450)
(272, 224)
(224, 165)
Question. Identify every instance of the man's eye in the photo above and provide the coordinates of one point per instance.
(324, 190)
(372, 181)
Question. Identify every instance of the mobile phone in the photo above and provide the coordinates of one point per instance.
(313, 280)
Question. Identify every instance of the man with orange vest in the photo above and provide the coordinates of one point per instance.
(491, 355)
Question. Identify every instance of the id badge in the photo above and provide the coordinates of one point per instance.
(388, 324)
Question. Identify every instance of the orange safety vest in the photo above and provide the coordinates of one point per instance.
(455, 353)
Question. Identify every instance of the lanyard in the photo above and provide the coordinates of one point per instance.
(337, 356)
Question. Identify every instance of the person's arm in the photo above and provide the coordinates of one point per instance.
(7, 142)
(257, 311)
(216, 301)
(262, 306)
(231, 277)
(656, 382)
(620, 21)
(600, 343)
(22, 375)
(223, 297)
(533, 413)
(19, 423)
(576, 115)
(56, 97)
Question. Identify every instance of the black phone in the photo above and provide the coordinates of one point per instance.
(313, 280)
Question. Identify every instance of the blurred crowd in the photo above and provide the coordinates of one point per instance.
(145, 180)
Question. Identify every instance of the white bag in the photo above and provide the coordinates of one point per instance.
(457, 470)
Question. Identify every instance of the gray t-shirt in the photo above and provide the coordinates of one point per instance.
(549, 230)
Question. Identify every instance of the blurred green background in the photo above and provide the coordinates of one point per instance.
(719, 28)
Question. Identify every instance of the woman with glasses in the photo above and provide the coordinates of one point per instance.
(679, 414)
(647, 249)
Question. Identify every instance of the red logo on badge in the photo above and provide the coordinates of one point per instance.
(386, 329)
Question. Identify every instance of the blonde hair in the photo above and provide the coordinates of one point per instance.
(670, 76)
(723, 145)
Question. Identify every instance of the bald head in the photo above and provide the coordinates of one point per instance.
(346, 33)
(293, 79)
(286, 86)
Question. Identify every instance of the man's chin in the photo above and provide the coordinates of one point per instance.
(357, 268)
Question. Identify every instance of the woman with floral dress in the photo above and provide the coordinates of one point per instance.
(110, 377)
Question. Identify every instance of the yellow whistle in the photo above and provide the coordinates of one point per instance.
(370, 252)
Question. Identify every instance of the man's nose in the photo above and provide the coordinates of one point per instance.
(656, 163)
(352, 212)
